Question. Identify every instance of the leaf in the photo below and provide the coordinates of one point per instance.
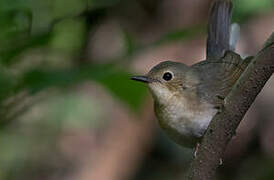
(114, 79)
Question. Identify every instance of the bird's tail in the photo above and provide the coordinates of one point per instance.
(218, 40)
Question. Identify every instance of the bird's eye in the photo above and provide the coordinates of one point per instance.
(167, 76)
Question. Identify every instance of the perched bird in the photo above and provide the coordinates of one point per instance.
(187, 97)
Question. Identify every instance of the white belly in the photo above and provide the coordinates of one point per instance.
(190, 123)
(183, 123)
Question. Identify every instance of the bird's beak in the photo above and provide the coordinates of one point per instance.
(144, 79)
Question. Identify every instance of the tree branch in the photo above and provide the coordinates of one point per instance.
(224, 124)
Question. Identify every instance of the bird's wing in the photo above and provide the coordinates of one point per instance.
(217, 78)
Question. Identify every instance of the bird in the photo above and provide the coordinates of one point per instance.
(186, 98)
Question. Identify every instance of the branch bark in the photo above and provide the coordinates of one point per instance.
(224, 124)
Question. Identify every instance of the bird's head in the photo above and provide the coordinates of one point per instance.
(168, 79)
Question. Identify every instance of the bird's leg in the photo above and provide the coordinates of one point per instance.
(196, 149)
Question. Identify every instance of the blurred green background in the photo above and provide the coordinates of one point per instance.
(69, 111)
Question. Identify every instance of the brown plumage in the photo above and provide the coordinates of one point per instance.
(187, 97)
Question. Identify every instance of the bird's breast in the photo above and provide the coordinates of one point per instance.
(183, 120)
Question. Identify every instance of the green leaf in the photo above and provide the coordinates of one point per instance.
(114, 79)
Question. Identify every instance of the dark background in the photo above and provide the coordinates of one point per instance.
(69, 111)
